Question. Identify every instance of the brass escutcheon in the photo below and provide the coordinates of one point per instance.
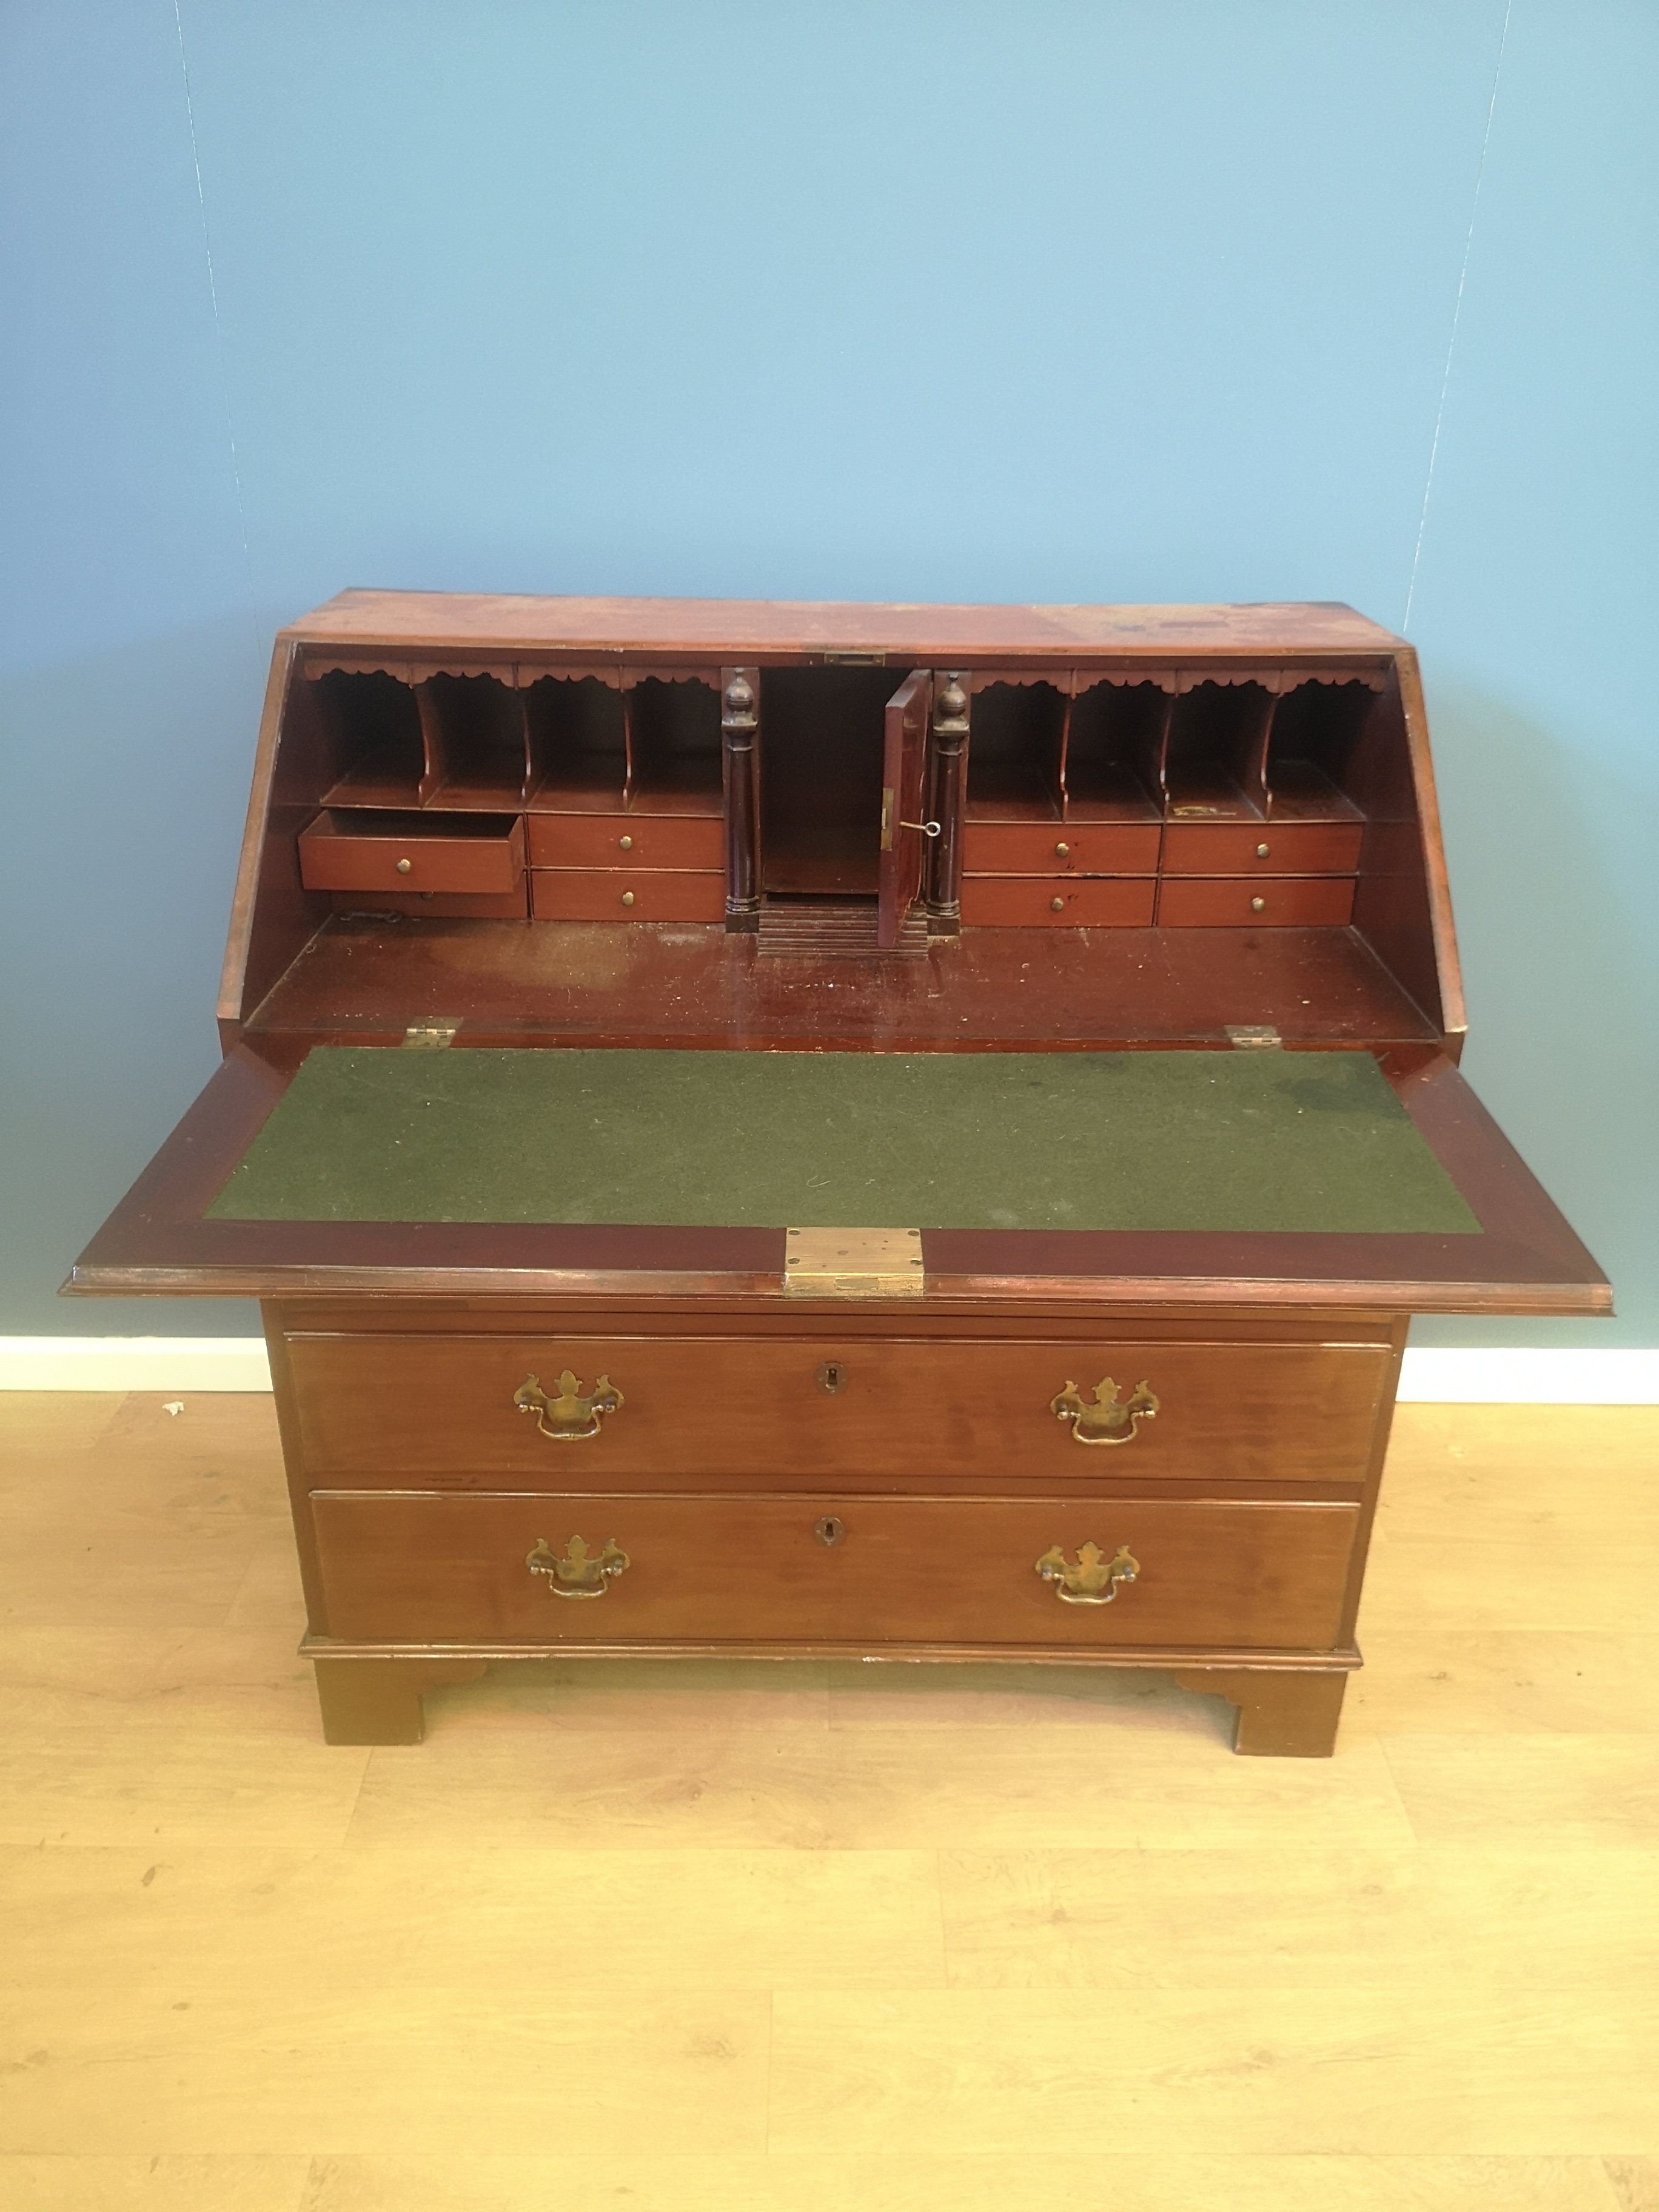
(1094, 1580)
(1105, 1422)
(569, 1416)
(579, 1573)
(829, 1531)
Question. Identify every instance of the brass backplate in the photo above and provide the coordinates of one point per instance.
(853, 1263)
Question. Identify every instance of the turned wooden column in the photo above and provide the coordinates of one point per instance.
(947, 759)
(740, 771)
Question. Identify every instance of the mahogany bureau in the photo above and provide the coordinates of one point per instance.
(903, 1132)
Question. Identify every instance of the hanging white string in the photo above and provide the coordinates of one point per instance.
(1458, 309)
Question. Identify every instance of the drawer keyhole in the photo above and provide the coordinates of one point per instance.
(831, 1377)
(829, 1531)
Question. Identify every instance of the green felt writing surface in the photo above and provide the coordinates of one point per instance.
(1144, 1140)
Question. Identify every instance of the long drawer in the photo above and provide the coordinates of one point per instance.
(759, 1570)
(783, 1412)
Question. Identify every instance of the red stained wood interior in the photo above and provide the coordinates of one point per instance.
(361, 978)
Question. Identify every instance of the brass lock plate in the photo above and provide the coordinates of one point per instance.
(853, 1263)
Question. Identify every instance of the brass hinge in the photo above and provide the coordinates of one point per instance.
(853, 1263)
(1253, 1037)
(853, 656)
(429, 1036)
(887, 818)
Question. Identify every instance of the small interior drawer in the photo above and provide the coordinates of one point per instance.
(1059, 902)
(1255, 903)
(358, 849)
(1268, 849)
(627, 841)
(627, 895)
(1091, 848)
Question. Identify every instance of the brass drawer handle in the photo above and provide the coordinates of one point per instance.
(1094, 1580)
(1105, 1422)
(578, 1574)
(569, 1416)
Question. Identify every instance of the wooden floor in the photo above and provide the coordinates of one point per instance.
(726, 1938)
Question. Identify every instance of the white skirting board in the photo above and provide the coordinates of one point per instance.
(1511, 1374)
(1436, 1375)
(168, 1364)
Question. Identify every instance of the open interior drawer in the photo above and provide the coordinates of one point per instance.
(350, 849)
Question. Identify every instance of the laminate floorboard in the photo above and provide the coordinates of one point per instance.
(735, 1937)
(895, 2181)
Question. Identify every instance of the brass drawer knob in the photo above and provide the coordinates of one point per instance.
(1105, 1422)
(1258, 905)
(577, 1573)
(627, 898)
(1261, 851)
(1094, 1580)
(1062, 852)
(404, 867)
(570, 1416)
(627, 844)
(1057, 906)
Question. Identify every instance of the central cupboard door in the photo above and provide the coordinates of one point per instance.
(822, 758)
(903, 782)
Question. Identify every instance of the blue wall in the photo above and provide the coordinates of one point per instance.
(1071, 301)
